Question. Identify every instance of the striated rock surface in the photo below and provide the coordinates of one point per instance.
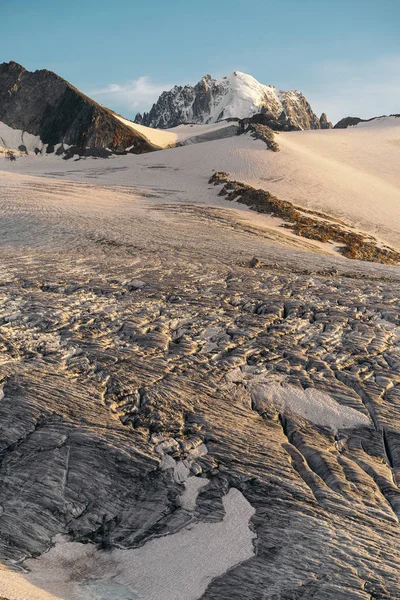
(139, 352)
(236, 96)
(45, 105)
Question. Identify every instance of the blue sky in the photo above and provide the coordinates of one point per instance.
(344, 55)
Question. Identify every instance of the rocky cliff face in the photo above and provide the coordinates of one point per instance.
(45, 105)
(324, 123)
(236, 96)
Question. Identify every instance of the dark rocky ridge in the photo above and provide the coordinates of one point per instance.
(42, 103)
(351, 121)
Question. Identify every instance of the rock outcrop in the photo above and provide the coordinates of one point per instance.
(45, 105)
(267, 119)
(348, 122)
(324, 123)
(306, 223)
(236, 96)
(352, 121)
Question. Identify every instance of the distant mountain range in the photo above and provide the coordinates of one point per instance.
(236, 96)
(40, 111)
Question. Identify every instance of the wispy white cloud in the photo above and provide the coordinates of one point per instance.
(133, 95)
(357, 89)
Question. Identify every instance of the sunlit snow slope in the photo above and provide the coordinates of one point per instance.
(351, 174)
(168, 138)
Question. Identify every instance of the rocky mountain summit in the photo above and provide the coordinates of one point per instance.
(45, 105)
(236, 96)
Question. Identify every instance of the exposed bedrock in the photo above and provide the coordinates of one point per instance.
(96, 375)
(45, 105)
(151, 371)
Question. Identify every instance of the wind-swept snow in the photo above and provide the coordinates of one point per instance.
(351, 174)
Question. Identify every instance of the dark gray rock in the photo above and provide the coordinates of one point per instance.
(348, 122)
(44, 104)
(325, 124)
(283, 123)
(351, 121)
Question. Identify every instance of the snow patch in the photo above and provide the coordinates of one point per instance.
(14, 138)
(172, 567)
(311, 404)
(192, 487)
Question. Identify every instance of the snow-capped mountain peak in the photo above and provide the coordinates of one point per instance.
(237, 95)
